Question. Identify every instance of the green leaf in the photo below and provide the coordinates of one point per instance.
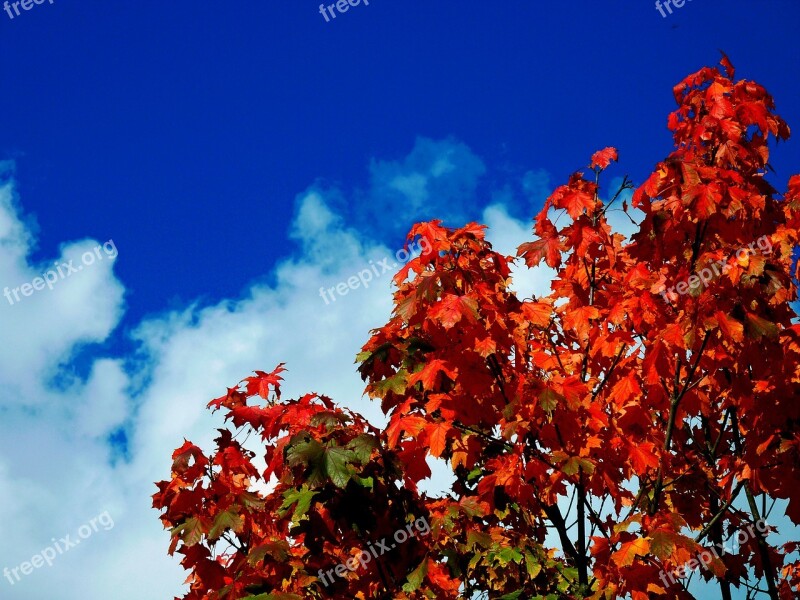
(662, 544)
(301, 498)
(278, 550)
(478, 537)
(395, 384)
(474, 474)
(381, 354)
(230, 519)
(758, 327)
(416, 577)
(362, 447)
(575, 463)
(190, 532)
(367, 482)
(251, 500)
(337, 467)
(329, 418)
(452, 559)
(303, 450)
(571, 575)
(471, 507)
(571, 466)
(508, 555)
(533, 566)
(548, 400)
(416, 344)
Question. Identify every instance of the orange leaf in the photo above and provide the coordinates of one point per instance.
(412, 425)
(578, 319)
(626, 389)
(603, 158)
(628, 551)
(547, 248)
(452, 308)
(485, 347)
(429, 375)
(642, 457)
(729, 326)
(437, 437)
(538, 313)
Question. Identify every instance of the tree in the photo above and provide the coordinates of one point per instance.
(646, 412)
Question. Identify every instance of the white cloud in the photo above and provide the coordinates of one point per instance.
(437, 180)
(41, 329)
(53, 453)
(506, 234)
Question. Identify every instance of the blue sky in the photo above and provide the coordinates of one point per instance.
(242, 154)
(184, 130)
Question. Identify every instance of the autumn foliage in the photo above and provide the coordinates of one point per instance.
(633, 426)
